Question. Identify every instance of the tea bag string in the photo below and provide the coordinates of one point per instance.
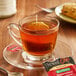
(36, 18)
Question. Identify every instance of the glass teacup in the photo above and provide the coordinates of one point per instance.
(37, 36)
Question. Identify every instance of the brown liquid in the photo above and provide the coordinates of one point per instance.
(37, 42)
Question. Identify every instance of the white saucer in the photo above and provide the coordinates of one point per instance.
(63, 17)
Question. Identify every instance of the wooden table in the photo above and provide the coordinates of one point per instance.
(67, 31)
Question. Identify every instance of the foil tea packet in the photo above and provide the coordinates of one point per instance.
(61, 67)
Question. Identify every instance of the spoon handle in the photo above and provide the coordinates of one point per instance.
(8, 73)
(15, 74)
(49, 10)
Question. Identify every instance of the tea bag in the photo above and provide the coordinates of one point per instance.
(38, 26)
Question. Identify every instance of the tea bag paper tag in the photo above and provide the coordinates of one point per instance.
(14, 48)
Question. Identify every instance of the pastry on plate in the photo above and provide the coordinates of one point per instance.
(69, 9)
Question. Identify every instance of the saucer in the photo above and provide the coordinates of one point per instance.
(13, 55)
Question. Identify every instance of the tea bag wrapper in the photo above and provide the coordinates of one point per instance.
(61, 67)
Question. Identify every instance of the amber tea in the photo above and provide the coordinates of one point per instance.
(37, 37)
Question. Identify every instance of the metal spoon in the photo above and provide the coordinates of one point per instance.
(4, 71)
(15, 74)
(49, 10)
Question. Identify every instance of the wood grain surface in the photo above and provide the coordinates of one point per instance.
(67, 31)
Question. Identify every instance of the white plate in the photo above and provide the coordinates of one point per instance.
(66, 18)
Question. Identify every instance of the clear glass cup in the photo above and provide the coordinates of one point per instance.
(37, 36)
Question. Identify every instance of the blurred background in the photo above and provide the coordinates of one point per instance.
(67, 31)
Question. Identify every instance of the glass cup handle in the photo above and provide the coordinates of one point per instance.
(12, 34)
